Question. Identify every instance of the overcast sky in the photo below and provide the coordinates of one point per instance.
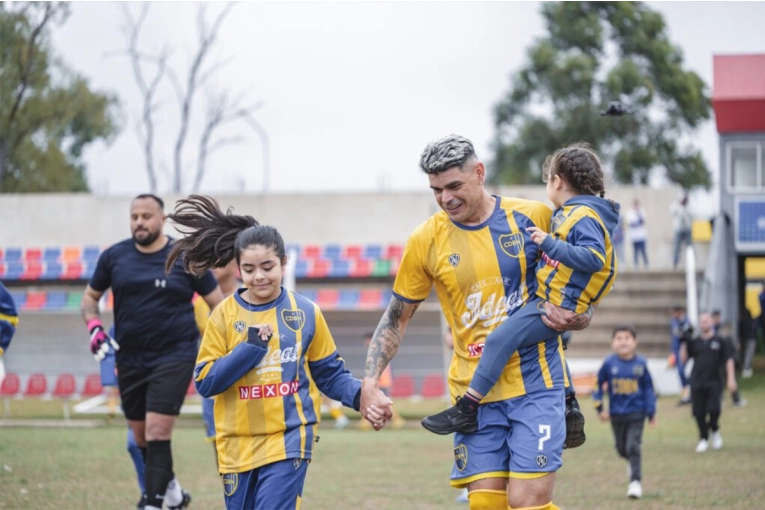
(351, 91)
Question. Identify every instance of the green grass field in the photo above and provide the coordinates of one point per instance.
(88, 468)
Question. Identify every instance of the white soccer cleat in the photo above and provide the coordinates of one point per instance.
(702, 446)
(717, 441)
(635, 490)
(746, 373)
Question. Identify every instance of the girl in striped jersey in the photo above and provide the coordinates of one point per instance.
(576, 270)
(265, 356)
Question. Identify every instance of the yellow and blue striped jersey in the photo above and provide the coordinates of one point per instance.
(267, 402)
(578, 264)
(480, 274)
(201, 314)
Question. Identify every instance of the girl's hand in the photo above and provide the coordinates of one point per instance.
(537, 235)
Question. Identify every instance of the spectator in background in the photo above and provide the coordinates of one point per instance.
(617, 240)
(710, 355)
(636, 226)
(682, 221)
(679, 326)
(762, 309)
(723, 331)
(157, 338)
(747, 333)
(9, 318)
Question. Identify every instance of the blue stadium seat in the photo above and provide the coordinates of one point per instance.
(349, 300)
(90, 253)
(333, 251)
(51, 254)
(386, 298)
(52, 271)
(310, 294)
(13, 254)
(340, 269)
(14, 270)
(19, 297)
(373, 251)
(293, 248)
(56, 300)
(87, 269)
(301, 268)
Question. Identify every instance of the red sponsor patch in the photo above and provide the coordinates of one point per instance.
(268, 390)
(475, 350)
(548, 260)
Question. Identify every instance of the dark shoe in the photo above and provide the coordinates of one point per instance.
(141, 502)
(184, 504)
(574, 425)
(684, 401)
(458, 418)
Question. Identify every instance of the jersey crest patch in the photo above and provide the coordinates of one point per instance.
(454, 259)
(541, 460)
(230, 483)
(512, 244)
(461, 457)
(294, 319)
(240, 326)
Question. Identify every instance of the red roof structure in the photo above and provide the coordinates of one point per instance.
(738, 93)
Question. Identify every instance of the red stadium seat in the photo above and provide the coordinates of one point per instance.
(327, 298)
(35, 300)
(72, 271)
(433, 386)
(37, 385)
(64, 389)
(33, 255)
(320, 268)
(393, 251)
(403, 386)
(353, 251)
(361, 268)
(191, 390)
(92, 386)
(33, 269)
(311, 251)
(10, 388)
(71, 254)
(369, 299)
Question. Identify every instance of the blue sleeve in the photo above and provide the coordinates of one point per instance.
(650, 394)
(102, 276)
(335, 381)
(597, 391)
(225, 371)
(585, 249)
(9, 318)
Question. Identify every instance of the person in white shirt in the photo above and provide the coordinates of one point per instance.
(681, 222)
(636, 226)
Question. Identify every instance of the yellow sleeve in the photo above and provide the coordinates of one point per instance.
(201, 314)
(414, 280)
(214, 342)
(323, 344)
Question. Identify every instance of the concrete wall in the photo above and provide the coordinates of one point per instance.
(39, 220)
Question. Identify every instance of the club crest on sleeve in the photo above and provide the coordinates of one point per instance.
(230, 483)
(638, 370)
(541, 460)
(294, 319)
(240, 326)
(454, 259)
(512, 244)
(296, 463)
(461, 457)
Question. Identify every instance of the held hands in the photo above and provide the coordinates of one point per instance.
(375, 406)
(653, 422)
(100, 340)
(537, 235)
(259, 335)
(561, 319)
(604, 416)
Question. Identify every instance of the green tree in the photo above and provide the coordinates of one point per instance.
(596, 53)
(48, 114)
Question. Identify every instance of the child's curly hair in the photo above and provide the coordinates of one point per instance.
(579, 166)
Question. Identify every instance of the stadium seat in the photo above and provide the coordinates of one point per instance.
(92, 386)
(37, 385)
(56, 301)
(311, 251)
(2, 270)
(13, 270)
(360, 268)
(369, 299)
(191, 390)
(73, 299)
(33, 255)
(308, 294)
(52, 271)
(333, 251)
(320, 269)
(19, 298)
(381, 268)
(10, 388)
(403, 386)
(339, 268)
(2, 254)
(35, 300)
(433, 386)
(349, 300)
(393, 251)
(373, 251)
(302, 267)
(293, 248)
(64, 389)
(71, 254)
(90, 253)
(72, 271)
(87, 270)
(13, 255)
(32, 270)
(51, 254)
(385, 299)
(327, 299)
(353, 251)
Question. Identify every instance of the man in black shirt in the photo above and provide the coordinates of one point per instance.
(710, 354)
(157, 338)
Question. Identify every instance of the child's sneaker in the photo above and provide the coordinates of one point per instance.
(574, 424)
(634, 490)
(461, 417)
(183, 504)
(717, 441)
(702, 446)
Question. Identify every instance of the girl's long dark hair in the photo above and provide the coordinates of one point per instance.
(211, 234)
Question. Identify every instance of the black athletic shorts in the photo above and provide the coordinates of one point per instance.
(158, 390)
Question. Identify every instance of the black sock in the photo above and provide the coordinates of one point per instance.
(159, 471)
(470, 403)
(143, 453)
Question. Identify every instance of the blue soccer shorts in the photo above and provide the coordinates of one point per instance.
(521, 437)
(275, 486)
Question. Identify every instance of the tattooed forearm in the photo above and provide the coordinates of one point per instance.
(388, 335)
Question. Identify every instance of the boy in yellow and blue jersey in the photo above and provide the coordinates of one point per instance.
(576, 269)
(631, 399)
(265, 356)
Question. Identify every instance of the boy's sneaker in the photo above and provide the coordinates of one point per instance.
(574, 425)
(461, 417)
(717, 441)
(184, 504)
(635, 490)
(702, 446)
(741, 402)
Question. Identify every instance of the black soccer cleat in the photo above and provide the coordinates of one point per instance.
(458, 418)
(184, 504)
(574, 425)
(142, 502)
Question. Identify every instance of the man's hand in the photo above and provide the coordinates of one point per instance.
(537, 235)
(100, 340)
(560, 319)
(375, 406)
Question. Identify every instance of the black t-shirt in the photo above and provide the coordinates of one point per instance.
(153, 313)
(709, 358)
